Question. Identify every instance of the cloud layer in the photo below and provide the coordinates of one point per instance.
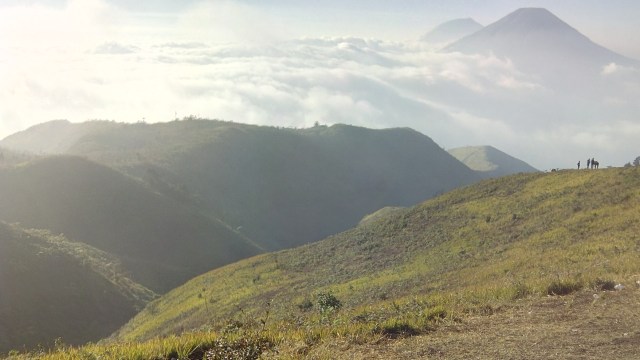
(455, 99)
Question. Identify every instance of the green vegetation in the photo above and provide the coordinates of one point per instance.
(471, 251)
(401, 273)
(160, 243)
(279, 187)
(52, 287)
(196, 346)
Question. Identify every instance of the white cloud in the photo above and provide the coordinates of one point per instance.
(453, 98)
(227, 21)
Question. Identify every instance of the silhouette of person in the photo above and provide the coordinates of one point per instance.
(578, 164)
(588, 163)
(593, 163)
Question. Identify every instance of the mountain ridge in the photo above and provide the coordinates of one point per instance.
(452, 30)
(239, 173)
(99, 206)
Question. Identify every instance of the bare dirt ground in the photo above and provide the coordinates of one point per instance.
(584, 325)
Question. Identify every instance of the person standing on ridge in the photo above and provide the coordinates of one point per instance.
(578, 164)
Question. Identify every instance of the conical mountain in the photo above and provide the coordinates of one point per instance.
(451, 31)
(490, 162)
(539, 42)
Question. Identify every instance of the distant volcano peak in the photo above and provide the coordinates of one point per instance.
(452, 30)
(539, 42)
(526, 20)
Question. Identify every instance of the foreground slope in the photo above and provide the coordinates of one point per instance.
(160, 242)
(465, 252)
(279, 187)
(490, 162)
(52, 288)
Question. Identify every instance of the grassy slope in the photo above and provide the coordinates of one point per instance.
(319, 181)
(467, 251)
(51, 287)
(161, 243)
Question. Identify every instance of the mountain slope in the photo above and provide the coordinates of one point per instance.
(51, 288)
(160, 242)
(467, 251)
(53, 137)
(279, 187)
(451, 31)
(490, 162)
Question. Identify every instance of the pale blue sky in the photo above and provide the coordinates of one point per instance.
(611, 23)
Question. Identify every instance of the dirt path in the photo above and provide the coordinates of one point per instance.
(579, 326)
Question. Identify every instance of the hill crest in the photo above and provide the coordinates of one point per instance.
(322, 180)
(498, 240)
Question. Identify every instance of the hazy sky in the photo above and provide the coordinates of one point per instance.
(356, 62)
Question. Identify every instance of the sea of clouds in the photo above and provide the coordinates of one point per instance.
(455, 99)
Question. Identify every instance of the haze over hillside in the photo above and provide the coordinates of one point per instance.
(160, 242)
(535, 83)
(490, 162)
(279, 187)
(52, 288)
(451, 31)
(99, 216)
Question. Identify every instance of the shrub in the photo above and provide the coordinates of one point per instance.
(306, 305)
(563, 287)
(328, 302)
(399, 330)
(604, 285)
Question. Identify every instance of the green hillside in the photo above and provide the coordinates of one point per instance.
(279, 187)
(11, 158)
(470, 251)
(160, 242)
(490, 162)
(51, 288)
(53, 137)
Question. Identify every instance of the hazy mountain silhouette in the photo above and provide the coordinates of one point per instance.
(539, 42)
(280, 187)
(490, 162)
(159, 242)
(51, 288)
(451, 31)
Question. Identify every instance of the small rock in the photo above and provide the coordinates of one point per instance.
(596, 296)
(619, 287)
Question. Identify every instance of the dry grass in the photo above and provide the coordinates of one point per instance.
(585, 325)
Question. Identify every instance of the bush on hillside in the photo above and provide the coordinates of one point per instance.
(328, 302)
(563, 287)
(604, 285)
